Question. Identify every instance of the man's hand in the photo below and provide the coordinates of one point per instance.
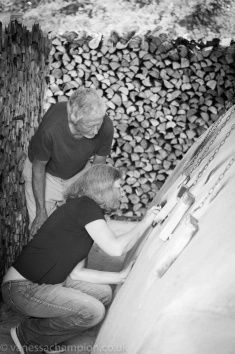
(38, 221)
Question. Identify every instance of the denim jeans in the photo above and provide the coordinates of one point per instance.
(56, 312)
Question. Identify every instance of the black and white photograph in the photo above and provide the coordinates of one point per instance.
(117, 176)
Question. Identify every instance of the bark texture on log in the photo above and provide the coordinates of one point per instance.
(23, 67)
(161, 95)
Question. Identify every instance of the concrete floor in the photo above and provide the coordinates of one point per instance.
(83, 343)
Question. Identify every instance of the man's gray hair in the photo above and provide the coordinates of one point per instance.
(86, 102)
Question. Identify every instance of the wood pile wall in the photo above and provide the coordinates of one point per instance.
(23, 65)
(161, 95)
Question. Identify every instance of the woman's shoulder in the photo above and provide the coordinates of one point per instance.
(85, 208)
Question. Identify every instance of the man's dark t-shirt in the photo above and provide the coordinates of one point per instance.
(60, 244)
(66, 155)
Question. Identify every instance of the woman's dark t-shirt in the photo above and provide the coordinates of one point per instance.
(60, 243)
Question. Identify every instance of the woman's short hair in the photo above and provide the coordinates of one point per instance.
(86, 102)
(97, 184)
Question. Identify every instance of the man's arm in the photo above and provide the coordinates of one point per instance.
(99, 159)
(105, 141)
(38, 185)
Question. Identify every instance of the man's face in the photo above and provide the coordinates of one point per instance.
(87, 127)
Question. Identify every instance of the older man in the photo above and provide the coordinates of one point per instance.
(69, 135)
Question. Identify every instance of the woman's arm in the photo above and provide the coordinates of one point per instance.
(79, 272)
(116, 246)
(97, 276)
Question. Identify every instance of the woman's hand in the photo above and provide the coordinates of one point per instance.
(151, 215)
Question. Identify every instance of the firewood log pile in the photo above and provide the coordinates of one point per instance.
(161, 95)
(23, 64)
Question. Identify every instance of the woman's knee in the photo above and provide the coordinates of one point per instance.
(107, 295)
(91, 314)
(97, 312)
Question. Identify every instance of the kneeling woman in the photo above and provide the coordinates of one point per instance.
(49, 281)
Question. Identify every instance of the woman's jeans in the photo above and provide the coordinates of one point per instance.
(56, 312)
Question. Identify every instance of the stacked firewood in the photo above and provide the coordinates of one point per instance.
(23, 65)
(161, 95)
